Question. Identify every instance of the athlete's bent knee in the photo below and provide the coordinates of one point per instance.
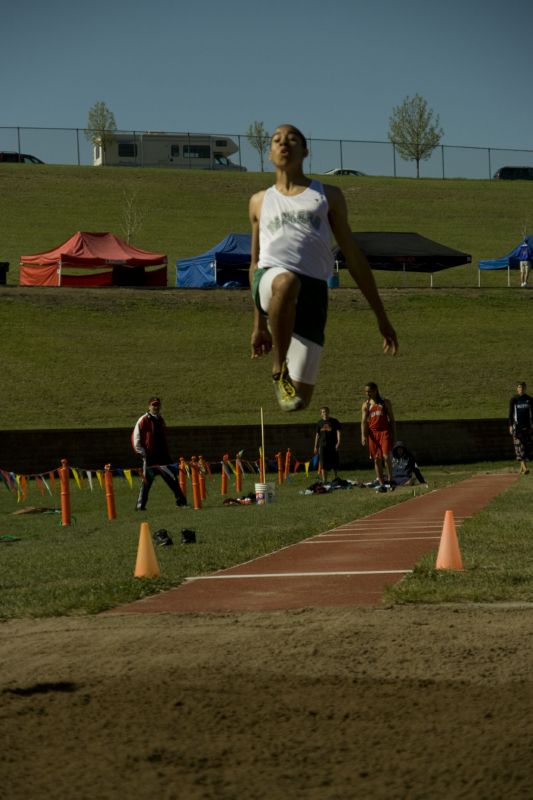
(287, 284)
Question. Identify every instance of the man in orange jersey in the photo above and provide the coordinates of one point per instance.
(378, 430)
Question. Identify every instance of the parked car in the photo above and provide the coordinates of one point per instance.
(344, 172)
(21, 158)
(514, 174)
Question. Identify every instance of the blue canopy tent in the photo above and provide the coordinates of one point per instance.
(226, 264)
(508, 262)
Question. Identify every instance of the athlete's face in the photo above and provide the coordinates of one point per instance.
(520, 389)
(286, 147)
(324, 413)
(371, 392)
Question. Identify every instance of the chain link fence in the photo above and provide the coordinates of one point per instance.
(71, 146)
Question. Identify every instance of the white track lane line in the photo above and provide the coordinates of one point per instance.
(297, 574)
(357, 541)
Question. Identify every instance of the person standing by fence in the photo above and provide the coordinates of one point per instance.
(327, 443)
(378, 430)
(521, 425)
(149, 439)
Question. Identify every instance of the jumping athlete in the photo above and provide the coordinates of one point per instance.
(292, 227)
(378, 430)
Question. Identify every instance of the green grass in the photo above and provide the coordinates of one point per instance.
(88, 566)
(91, 358)
(186, 212)
(496, 549)
(85, 358)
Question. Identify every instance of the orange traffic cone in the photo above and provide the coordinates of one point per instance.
(449, 555)
(147, 565)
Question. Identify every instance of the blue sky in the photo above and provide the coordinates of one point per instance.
(336, 69)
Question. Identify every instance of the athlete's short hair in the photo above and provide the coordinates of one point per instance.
(296, 130)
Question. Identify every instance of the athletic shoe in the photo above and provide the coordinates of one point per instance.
(162, 538)
(381, 489)
(188, 536)
(181, 501)
(285, 391)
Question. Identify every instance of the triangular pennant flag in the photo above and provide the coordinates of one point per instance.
(76, 477)
(19, 487)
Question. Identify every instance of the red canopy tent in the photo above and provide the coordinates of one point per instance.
(94, 259)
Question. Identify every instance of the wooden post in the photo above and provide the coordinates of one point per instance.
(201, 477)
(65, 492)
(280, 468)
(182, 476)
(196, 497)
(109, 493)
(224, 476)
(288, 463)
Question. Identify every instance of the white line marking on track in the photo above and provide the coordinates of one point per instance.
(356, 541)
(299, 574)
(380, 529)
(390, 523)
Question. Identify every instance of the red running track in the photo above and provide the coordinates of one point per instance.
(347, 566)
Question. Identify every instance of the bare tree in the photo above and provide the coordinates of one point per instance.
(259, 138)
(101, 126)
(413, 131)
(132, 215)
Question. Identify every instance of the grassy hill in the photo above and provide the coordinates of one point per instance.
(91, 357)
(186, 212)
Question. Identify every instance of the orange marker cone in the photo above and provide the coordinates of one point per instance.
(147, 565)
(449, 555)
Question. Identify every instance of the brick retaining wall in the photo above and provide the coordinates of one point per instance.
(433, 442)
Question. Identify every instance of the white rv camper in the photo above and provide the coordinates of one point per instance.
(178, 150)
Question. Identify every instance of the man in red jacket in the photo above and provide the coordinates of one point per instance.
(149, 439)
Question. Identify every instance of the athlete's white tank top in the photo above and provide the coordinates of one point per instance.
(294, 232)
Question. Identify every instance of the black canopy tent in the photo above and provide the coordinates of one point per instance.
(405, 252)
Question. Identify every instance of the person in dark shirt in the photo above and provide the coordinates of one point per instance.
(404, 466)
(521, 425)
(327, 443)
(149, 440)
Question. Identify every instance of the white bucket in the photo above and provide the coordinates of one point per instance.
(264, 493)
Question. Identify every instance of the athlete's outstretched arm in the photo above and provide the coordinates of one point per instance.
(358, 265)
(261, 339)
